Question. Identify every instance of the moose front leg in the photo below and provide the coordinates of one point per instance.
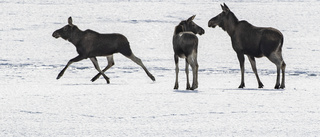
(96, 65)
(241, 61)
(76, 59)
(254, 68)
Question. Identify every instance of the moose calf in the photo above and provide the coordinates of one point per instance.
(90, 44)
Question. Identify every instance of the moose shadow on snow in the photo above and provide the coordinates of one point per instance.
(186, 91)
(252, 89)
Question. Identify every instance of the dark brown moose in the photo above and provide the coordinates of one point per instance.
(90, 44)
(185, 45)
(252, 41)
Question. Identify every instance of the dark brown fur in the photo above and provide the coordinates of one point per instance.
(90, 44)
(185, 45)
(252, 41)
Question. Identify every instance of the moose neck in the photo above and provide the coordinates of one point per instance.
(230, 24)
(76, 36)
(177, 30)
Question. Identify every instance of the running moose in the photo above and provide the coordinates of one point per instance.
(90, 44)
(185, 45)
(252, 41)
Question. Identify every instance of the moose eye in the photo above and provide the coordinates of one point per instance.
(65, 28)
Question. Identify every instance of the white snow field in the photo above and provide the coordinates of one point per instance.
(34, 103)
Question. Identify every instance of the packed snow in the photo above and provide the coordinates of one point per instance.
(34, 103)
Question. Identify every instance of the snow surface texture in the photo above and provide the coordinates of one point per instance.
(34, 103)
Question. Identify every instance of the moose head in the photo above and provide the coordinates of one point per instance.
(222, 18)
(66, 31)
(189, 25)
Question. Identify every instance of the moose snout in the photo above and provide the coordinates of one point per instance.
(55, 34)
(201, 31)
(211, 24)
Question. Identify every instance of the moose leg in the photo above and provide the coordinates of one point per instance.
(194, 66)
(254, 68)
(76, 59)
(197, 67)
(176, 60)
(241, 61)
(187, 73)
(110, 64)
(96, 65)
(139, 62)
(283, 67)
(277, 86)
(277, 60)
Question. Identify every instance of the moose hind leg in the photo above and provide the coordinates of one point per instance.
(254, 68)
(275, 57)
(195, 56)
(139, 62)
(187, 74)
(110, 64)
(283, 67)
(194, 65)
(96, 65)
(176, 60)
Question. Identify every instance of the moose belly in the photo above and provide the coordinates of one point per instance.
(180, 53)
(102, 52)
(253, 52)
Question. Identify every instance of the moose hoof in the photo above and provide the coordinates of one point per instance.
(193, 88)
(176, 86)
(241, 86)
(282, 86)
(152, 78)
(277, 87)
(58, 77)
(261, 85)
(94, 78)
(188, 87)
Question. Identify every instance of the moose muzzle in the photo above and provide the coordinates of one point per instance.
(56, 34)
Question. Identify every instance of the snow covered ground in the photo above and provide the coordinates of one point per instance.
(34, 103)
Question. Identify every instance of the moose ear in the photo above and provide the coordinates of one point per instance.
(70, 21)
(222, 7)
(225, 8)
(191, 18)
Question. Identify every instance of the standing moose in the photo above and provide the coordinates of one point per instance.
(252, 41)
(185, 45)
(90, 44)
